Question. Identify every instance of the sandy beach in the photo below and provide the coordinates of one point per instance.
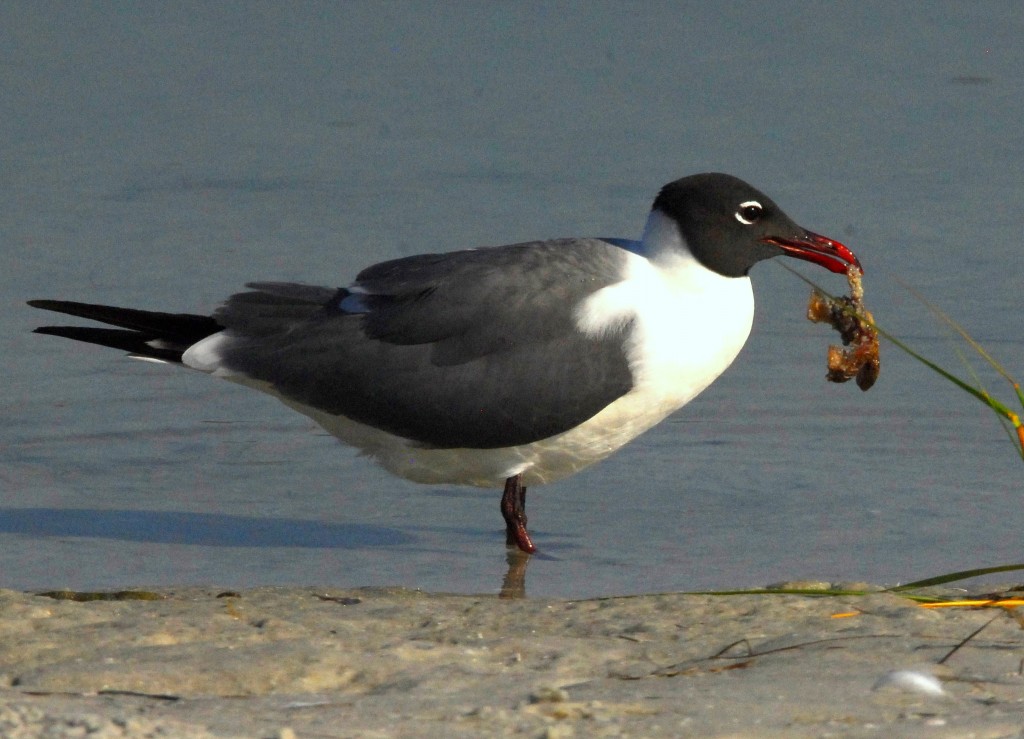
(309, 662)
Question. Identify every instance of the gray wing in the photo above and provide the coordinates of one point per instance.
(474, 348)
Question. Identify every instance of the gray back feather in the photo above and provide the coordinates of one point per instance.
(474, 348)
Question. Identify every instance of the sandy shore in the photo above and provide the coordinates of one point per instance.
(303, 662)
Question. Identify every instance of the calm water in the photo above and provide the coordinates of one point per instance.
(161, 157)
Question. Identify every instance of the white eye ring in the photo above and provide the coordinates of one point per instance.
(749, 212)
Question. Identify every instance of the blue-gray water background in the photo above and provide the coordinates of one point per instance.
(160, 156)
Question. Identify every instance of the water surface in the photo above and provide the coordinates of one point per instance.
(161, 157)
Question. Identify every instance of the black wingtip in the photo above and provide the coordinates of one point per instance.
(133, 342)
(163, 336)
(185, 328)
(70, 307)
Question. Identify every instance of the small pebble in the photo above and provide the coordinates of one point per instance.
(911, 681)
(548, 694)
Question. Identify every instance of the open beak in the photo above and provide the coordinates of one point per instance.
(822, 250)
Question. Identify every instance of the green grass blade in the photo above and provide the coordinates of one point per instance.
(954, 577)
(942, 316)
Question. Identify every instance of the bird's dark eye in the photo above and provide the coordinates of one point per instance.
(749, 212)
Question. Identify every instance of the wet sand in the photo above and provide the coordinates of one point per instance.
(308, 662)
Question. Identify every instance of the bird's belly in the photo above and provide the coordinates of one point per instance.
(539, 462)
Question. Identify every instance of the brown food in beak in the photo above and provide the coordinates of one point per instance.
(856, 327)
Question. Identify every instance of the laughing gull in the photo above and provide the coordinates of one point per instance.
(503, 366)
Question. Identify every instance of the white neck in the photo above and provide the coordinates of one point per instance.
(661, 238)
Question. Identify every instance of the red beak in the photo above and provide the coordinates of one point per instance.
(821, 250)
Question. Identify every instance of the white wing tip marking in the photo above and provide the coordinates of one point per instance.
(206, 355)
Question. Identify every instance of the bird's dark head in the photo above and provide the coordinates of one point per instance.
(730, 226)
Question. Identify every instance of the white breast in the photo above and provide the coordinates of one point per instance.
(689, 323)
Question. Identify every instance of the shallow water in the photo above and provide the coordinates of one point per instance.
(161, 158)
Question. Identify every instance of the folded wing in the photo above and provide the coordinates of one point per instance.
(475, 348)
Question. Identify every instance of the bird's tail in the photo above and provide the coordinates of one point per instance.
(142, 333)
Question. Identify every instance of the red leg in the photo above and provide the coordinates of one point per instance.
(513, 510)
